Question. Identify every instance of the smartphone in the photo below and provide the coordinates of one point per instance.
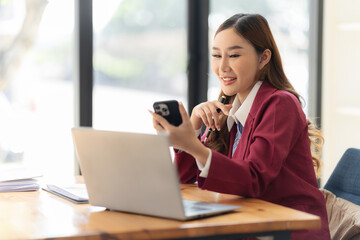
(169, 110)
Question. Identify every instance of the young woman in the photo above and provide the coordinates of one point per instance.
(259, 146)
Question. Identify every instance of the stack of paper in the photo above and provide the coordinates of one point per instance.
(18, 179)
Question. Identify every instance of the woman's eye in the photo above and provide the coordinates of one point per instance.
(235, 55)
(216, 55)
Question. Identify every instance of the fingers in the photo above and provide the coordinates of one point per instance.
(210, 112)
(223, 108)
(159, 123)
(207, 113)
(207, 116)
(157, 126)
(228, 107)
(183, 113)
(213, 117)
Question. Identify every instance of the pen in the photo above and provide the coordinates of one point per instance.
(222, 100)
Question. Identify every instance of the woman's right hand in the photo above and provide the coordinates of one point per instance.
(206, 113)
(182, 137)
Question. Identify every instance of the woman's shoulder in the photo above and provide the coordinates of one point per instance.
(280, 101)
(286, 96)
(271, 99)
(279, 98)
(269, 94)
(284, 101)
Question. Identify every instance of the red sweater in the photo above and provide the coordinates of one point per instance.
(272, 161)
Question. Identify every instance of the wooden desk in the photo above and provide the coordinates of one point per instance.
(42, 215)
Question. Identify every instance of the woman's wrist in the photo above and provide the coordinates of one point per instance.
(199, 152)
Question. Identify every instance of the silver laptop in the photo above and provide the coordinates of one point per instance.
(133, 172)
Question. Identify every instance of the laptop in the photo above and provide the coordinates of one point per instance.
(134, 173)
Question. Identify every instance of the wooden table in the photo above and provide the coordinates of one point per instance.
(42, 215)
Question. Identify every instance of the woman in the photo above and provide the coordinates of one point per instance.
(260, 145)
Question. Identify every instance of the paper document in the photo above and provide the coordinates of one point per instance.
(17, 179)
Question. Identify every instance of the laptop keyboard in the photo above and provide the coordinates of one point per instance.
(195, 206)
(202, 209)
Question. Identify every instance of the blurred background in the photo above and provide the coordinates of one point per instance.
(140, 54)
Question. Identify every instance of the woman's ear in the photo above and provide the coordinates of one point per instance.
(264, 58)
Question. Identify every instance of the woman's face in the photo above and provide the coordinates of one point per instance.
(235, 62)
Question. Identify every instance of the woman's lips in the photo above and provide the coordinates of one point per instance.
(228, 80)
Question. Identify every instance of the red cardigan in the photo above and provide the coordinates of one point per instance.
(272, 161)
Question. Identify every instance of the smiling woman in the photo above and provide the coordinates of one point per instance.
(290, 22)
(262, 146)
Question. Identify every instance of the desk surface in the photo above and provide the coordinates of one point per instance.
(42, 215)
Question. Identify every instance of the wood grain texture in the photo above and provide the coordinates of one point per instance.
(41, 215)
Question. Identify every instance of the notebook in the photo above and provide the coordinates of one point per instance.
(134, 173)
(75, 193)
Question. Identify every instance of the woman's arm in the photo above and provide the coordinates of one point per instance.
(184, 138)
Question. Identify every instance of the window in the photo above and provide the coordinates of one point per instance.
(36, 95)
(139, 58)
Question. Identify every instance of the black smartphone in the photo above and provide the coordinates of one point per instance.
(169, 110)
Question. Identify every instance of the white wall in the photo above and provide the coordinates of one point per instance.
(341, 81)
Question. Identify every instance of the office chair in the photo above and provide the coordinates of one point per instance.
(344, 182)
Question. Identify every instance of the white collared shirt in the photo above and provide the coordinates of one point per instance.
(238, 113)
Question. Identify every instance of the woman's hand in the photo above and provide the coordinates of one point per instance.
(182, 137)
(208, 114)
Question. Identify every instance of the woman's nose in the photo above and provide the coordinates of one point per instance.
(224, 65)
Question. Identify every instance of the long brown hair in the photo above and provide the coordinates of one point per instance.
(255, 29)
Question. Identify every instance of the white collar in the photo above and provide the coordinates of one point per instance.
(239, 112)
